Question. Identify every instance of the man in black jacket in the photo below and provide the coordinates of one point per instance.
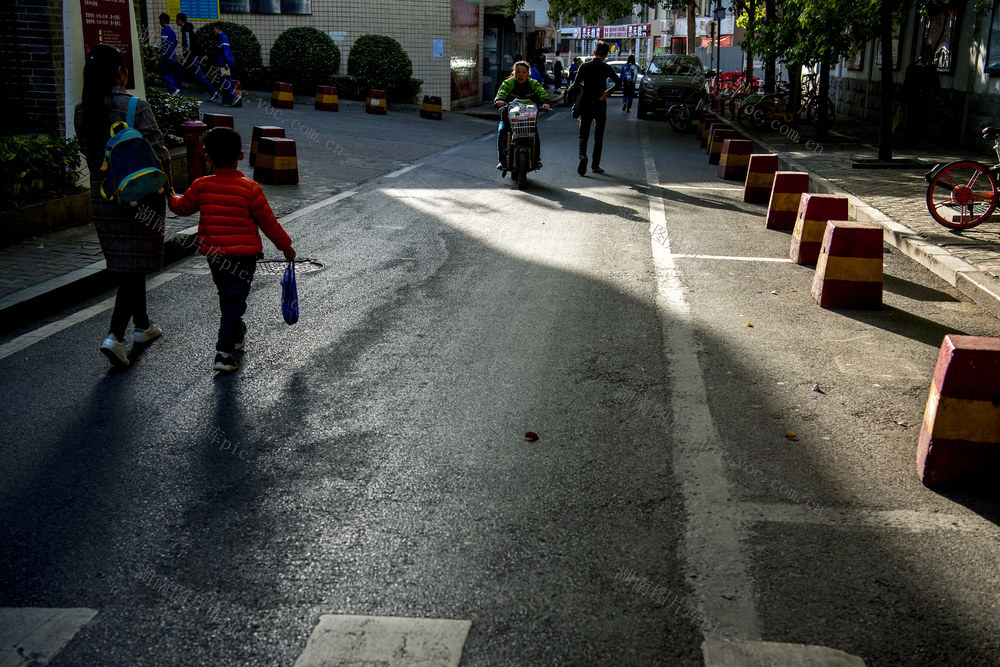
(591, 87)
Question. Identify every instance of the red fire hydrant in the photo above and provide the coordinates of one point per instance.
(194, 139)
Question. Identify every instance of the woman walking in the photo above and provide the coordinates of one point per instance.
(131, 236)
(628, 76)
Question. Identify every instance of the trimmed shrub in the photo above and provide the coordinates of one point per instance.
(378, 61)
(172, 110)
(406, 94)
(304, 57)
(37, 168)
(348, 87)
(246, 48)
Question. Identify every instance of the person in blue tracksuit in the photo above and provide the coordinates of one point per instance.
(226, 62)
(168, 54)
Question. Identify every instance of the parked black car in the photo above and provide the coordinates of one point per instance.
(668, 80)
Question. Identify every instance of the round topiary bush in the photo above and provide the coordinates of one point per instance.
(304, 57)
(246, 48)
(378, 61)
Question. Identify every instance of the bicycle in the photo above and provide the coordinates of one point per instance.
(679, 115)
(962, 194)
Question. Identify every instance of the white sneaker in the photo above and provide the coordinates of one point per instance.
(114, 350)
(225, 362)
(214, 96)
(146, 335)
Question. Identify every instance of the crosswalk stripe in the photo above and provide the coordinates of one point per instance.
(384, 640)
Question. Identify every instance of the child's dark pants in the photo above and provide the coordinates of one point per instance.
(232, 276)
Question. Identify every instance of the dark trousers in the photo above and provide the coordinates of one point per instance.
(596, 112)
(168, 70)
(232, 276)
(130, 302)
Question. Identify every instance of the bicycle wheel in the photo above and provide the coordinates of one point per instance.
(812, 111)
(962, 195)
(679, 117)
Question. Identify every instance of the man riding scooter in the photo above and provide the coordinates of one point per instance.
(518, 86)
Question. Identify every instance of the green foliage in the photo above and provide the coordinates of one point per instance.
(246, 48)
(379, 62)
(257, 78)
(172, 110)
(348, 87)
(150, 62)
(407, 93)
(304, 57)
(37, 168)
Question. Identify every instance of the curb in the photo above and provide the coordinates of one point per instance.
(23, 306)
(983, 289)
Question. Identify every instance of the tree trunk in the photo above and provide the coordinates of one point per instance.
(751, 28)
(794, 91)
(691, 28)
(823, 118)
(769, 65)
(885, 110)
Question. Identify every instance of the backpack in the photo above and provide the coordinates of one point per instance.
(133, 169)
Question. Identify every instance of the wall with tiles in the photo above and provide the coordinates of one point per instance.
(413, 23)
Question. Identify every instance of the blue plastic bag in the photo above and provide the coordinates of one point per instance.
(289, 295)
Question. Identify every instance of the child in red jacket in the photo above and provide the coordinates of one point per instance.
(233, 212)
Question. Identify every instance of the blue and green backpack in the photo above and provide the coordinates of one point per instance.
(133, 170)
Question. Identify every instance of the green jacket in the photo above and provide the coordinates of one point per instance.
(510, 90)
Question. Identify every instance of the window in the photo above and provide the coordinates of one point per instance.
(939, 35)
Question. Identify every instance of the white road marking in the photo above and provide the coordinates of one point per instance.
(27, 340)
(312, 207)
(721, 653)
(668, 186)
(910, 521)
(557, 116)
(33, 635)
(384, 640)
(453, 150)
(400, 172)
(735, 259)
(712, 547)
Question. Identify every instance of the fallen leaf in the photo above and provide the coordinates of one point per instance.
(749, 325)
(531, 435)
(791, 436)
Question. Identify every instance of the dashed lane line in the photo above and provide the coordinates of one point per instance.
(34, 635)
(400, 172)
(780, 260)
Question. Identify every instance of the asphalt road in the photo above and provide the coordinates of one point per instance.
(371, 459)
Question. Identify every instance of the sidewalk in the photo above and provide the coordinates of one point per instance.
(69, 264)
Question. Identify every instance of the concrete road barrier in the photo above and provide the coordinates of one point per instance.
(849, 268)
(786, 191)
(326, 98)
(734, 159)
(218, 120)
(815, 211)
(431, 107)
(281, 96)
(376, 103)
(760, 178)
(960, 436)
(262, 131)
(276, 162)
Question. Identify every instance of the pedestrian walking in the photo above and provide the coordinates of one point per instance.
(557, 72)
(226, 61)
(168, 54)
(628, 76)
(234, 211)
(921, 91)
(190, 58)
(574, 67)
(592, 91)
(131, 236)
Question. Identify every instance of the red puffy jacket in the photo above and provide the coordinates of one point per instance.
(232, 207)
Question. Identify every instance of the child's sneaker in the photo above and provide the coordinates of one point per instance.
(225, 362)
(150, 333)
(114, 350)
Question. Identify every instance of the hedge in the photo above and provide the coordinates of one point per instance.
(304, 57)
(37, 168)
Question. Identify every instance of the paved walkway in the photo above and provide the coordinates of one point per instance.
(893, 197)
